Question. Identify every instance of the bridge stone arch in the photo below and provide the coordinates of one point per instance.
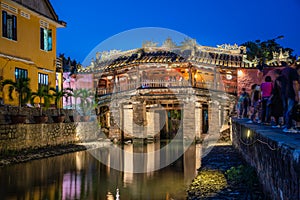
(142, 114)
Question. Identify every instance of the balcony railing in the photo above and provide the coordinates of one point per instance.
(155, 84)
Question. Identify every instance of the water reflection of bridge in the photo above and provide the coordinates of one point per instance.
(84, 177)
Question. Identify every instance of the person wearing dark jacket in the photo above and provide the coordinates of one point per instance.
(275, 100)
(290, 96)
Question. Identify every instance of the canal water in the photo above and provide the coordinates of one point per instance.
(81, 175)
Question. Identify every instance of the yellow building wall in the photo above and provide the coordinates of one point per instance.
(26, 49)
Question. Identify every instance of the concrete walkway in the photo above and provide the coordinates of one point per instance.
(291, 140)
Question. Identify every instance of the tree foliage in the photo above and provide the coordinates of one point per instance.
(68, 64)
(44, 97)
(21, 87)
(58, 95)
(263, 50)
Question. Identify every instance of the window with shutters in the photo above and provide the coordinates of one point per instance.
(9, 26)
(21, 73)
(43, 80)
(46, 39)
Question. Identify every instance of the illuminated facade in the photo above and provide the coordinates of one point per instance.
(141, 91)
(155, 91)
(28, 42)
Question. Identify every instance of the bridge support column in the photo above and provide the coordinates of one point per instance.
(198, 120)
(189, 120)
(139, 120)
(127, 121)
(115, 122)
(214, 126)
(153, 126)
(220, 116)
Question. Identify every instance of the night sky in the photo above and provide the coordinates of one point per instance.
(211, 23)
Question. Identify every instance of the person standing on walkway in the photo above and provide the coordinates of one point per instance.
(275, 100)
(290, 95)
(243, 104)
(255, 104)
(266, 90)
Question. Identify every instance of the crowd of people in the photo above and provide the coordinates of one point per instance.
(274, 102)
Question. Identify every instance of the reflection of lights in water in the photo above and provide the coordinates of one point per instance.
(128, 165)
(71, 186)
(109, 196)
(78, 161)
(117, 195)
(150, 158)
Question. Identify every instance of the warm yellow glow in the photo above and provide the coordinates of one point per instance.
(228, 75)
(195, 76)
(248, 133)
(215, 180)
(240, 72)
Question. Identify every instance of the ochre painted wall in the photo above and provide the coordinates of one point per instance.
(25, 53)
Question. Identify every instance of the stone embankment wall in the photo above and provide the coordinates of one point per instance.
(275, 155)
(30, 136)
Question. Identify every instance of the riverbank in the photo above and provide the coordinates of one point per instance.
(14, 157)
(225, 175)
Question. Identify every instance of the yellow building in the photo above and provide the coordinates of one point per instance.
(28, 42)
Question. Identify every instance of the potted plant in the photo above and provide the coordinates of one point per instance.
(58, 95)
(44, 97)
(21, 87)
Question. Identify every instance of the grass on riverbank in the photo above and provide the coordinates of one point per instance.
(225, 175)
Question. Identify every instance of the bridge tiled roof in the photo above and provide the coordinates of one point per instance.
(145, 57)
(140, 56)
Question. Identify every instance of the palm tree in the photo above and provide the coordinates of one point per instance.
(76, 94)
(44, 97)
(58, 95)
(20, 86)
(86, 100)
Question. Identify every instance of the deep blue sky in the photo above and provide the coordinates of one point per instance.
(90, 22)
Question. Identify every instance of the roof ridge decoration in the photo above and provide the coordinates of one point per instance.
(276, 61)
(228, 46)
(188, 48)
(149, 44)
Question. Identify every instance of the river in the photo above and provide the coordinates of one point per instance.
(81, 175)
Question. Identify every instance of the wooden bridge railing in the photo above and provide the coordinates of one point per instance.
(163, 84)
